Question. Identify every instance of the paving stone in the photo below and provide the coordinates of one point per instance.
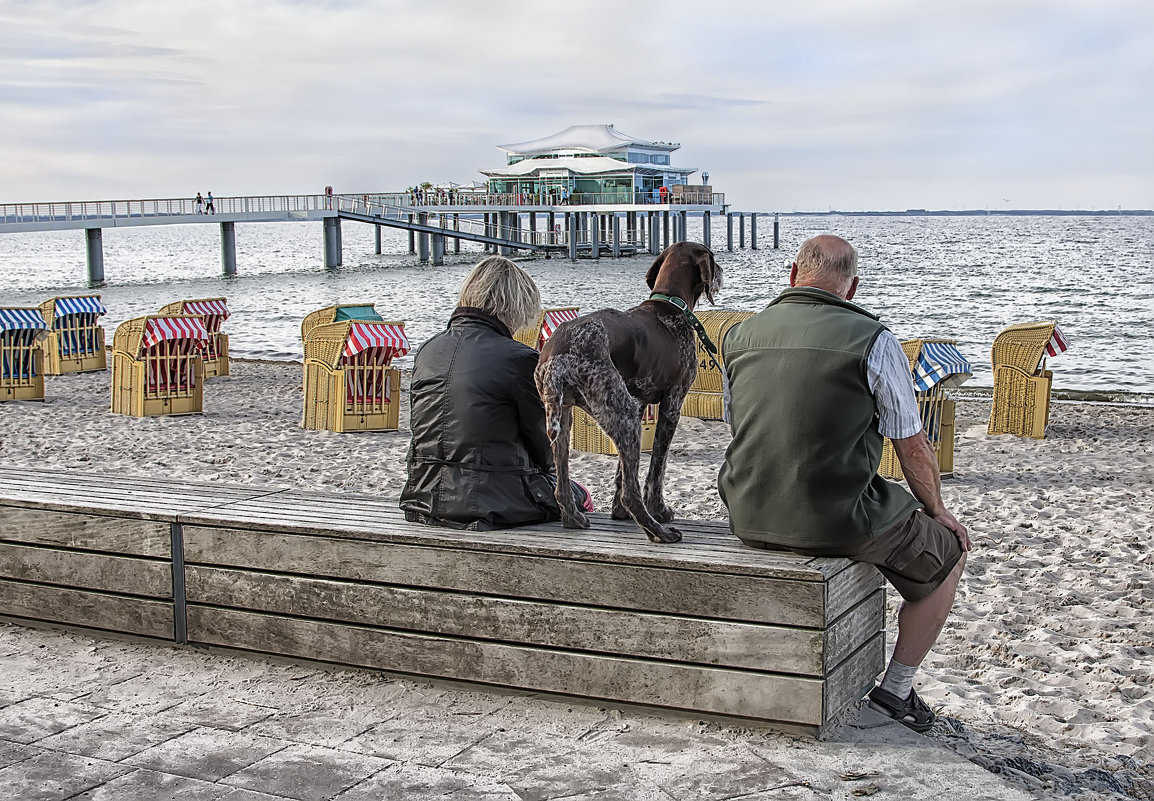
(11, 753)
(115, 736)
(413, 782)
(207, 754)
(240, 794)
(143, 693)
(428, 732)
(36, 718)
(52, 776)
(149, 785)
(308, 772)
(219, 712)
(325, 727)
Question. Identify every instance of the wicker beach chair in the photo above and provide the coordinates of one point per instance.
(935, 365)
(338, 313)
(705, 396)
(535, 335)
(157, 368)
(75, 342)
(214, 311)
(1021, 381)
(21, 357)
(350, 383)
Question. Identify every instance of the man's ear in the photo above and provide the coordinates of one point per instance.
(793, 274)
(852, 289)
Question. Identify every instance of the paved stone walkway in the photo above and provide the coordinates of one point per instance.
(118, 720)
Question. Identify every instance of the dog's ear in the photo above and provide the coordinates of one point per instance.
(710, 275)
(651, 276)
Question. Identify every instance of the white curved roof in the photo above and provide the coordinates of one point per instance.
(592, 165)
(591, 138)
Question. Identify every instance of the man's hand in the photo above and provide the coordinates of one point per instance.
(920, 466)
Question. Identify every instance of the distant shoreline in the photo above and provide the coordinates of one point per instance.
(970, 213)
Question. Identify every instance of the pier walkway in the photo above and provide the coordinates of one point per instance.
(501, 223)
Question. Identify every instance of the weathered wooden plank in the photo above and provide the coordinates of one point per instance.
(754, 599)
(673, 638)
(738, 693)
(851, 680)
(846, 588)
(87, 570)
(95, 610)
(87, 532)
(846, 634)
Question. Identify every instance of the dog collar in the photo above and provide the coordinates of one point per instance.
(706, 342)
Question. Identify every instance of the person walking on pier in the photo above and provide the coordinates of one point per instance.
(208, 207)
(199, 203)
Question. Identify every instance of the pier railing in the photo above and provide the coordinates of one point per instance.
(454, 197)
(159, 207)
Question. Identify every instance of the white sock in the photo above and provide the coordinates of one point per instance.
(899, 679)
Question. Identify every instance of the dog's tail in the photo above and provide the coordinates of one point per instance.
(551, 386)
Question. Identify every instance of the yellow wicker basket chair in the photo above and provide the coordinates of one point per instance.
(705, 396)
(21, 357)
(157, 368)
(75, 342)
(587, 436)
(337, 313)
(937, 411)
(536, 334)
(214, 311)
(1022, 383)
(350, 383)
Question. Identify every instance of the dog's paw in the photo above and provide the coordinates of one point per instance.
(662, 514)
(664, 534)
(576, 520)
(620, 512)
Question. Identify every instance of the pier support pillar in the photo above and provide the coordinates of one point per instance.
(741, 230)
(616, 236)
(423, 239)
(412, 238)
(533, 228)
(377, 249)
(228, 248)
(753, 231)
(706, 230)
(438, 250)
(594, 238)
(571, 231)
(776, 232)
(504, 231)
(552, 237)
(653, 248)
(684, 226)
(664, 230)
(332, 243)
(94, 245)
(456, 227)
(729, 231)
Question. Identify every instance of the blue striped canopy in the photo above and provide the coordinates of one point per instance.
(86, 305)
(21, 319)
(938, 362)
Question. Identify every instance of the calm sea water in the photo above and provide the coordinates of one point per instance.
(959, 277)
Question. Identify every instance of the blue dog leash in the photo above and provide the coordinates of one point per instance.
(706, 342)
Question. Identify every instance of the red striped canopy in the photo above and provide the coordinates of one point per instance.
(1057, 344)
(158, 329)
(365, 335)
(554, 318)
(207, 307)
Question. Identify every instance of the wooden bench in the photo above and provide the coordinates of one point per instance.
(706, 626)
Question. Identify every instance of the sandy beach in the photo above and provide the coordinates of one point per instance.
(1044, 673)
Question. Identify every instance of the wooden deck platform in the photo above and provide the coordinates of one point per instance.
(706, 626)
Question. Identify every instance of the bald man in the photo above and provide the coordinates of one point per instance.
(815, 383)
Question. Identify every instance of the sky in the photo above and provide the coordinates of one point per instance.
(827, 104)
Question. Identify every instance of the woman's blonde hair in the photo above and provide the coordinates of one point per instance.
(501, 288)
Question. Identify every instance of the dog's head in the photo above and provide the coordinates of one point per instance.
(686, 269)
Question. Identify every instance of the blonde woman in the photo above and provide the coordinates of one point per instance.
(480, 458)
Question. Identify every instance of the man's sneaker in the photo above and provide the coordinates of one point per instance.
(911, 712)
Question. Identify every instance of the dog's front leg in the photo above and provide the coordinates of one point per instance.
(668, 416)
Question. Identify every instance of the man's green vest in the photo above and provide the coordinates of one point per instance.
(801, 470)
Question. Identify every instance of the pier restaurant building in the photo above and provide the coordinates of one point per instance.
(589, 164)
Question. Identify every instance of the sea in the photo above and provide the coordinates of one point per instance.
(959, 277)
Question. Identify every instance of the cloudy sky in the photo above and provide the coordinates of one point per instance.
(844, 104)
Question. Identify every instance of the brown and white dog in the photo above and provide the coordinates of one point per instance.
(611, 364)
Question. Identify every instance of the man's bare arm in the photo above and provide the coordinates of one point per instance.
(921, 470)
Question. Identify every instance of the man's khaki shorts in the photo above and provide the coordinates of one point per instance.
(915, 556)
